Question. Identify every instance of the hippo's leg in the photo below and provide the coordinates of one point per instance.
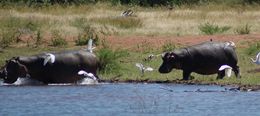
(221, 74)
(237, 71)
(186, 75)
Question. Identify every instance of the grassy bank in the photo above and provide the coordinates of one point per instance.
(123, 68)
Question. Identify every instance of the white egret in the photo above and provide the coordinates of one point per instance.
(257, 59)
(87, 75)
(142, 68)
(227, 69)
(49, 58)
(230, 43)
(90, 46)
(151, 56)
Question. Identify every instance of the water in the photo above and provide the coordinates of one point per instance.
(127, 100)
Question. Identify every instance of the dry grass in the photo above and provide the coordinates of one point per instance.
(156, 21)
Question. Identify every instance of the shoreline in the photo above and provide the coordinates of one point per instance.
(238, 87)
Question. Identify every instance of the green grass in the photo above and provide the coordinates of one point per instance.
(243, 29)
(211, 29)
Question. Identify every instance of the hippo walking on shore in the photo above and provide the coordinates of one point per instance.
(205, 58)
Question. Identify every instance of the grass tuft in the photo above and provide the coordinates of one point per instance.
(253, 48)
(242, 30)
(57, 39)
(211, 29)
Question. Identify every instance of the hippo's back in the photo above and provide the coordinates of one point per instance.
(207, 57)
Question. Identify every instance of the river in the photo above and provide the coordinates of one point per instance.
(127, 99)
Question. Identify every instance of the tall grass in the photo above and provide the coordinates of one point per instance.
(120, 22)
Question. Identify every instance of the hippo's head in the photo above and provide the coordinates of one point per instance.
(13, 70)
(170, 61)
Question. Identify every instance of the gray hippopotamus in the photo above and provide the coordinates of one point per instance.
(204, 58)
(62, 68)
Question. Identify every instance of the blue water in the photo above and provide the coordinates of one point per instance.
(127, 100)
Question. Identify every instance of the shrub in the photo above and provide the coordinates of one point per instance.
(88, 33)
(6, 39)
(253, 48)
(211, 29)
(243, 29)
(57, 40)
(168, 47)
(109, 59)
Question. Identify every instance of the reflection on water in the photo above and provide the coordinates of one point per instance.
(127, 99)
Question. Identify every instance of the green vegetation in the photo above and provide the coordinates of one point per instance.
(211, 29)
(253, 49)
(87, 33)
(57, 39)
(243, 29)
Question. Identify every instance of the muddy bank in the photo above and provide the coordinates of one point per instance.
(233, 87)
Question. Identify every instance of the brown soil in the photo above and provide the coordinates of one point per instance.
(133, 42)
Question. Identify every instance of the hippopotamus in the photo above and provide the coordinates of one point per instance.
(204, 58)
(63, 69)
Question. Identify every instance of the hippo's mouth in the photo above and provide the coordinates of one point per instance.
(164, 70)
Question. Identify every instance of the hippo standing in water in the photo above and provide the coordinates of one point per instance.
(62, 68)
(205, 58)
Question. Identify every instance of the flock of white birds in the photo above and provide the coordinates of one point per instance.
(50, 58)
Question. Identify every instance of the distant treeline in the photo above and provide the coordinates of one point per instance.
(146, 3)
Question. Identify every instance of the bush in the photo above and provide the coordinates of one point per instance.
(6, 39)
(109, 59)
(211, 29)
(87, 33)
(253, 49)
(243, 29)
(168, 47)
(57, 40)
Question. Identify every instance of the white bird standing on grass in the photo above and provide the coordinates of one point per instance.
(142, 68)
(49, 58)
(90, 46)
(227, 69)
(257, 59)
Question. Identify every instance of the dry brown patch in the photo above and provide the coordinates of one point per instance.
(132, 42)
